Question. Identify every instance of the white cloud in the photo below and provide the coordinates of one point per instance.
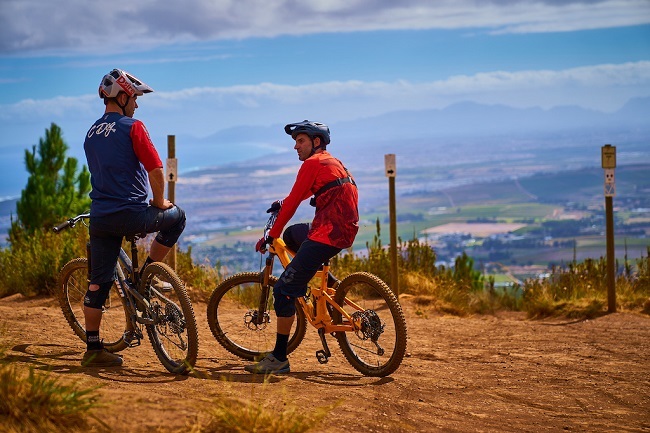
(628, 79)
(202, 111)
(56, 107)
(81, 25)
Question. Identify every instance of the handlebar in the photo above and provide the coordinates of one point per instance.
(70, 223)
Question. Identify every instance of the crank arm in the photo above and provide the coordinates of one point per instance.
(323, 355)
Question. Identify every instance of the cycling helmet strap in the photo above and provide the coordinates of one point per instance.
(125, 104)
(314, 148)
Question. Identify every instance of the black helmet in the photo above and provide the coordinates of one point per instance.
(312, 129)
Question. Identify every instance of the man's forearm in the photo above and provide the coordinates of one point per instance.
(157, 182)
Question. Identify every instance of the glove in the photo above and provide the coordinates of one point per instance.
(260, 247)
(275, 206)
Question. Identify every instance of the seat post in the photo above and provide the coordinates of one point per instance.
(134, 252)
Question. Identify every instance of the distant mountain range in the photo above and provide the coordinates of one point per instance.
(462, 121)
(460, 134)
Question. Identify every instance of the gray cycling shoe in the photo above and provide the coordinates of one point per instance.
(269, 365)
(100, 358)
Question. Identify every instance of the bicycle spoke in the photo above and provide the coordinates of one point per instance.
(378, 345)
(233, 316)
(173, 334)
(73, 283)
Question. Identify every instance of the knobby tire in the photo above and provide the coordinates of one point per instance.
(231, 306)
(174, 336)
(71, 289)
(372, 294)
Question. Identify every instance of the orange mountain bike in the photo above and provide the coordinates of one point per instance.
(362, 313)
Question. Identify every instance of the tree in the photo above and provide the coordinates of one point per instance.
(54, 190)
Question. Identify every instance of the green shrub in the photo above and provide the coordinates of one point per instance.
(418, 274)
(31, 264)
(580, 290)
(202, 277)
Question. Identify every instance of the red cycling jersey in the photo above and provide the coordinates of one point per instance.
(144, 148)
(336, 222)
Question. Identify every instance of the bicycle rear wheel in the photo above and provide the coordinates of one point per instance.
(173, 336)
(378, 347)
(232, 311)
(71, 289)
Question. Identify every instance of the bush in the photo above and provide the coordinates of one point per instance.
(202, 277)
(31, 264)
(580, 290)
(454, 287)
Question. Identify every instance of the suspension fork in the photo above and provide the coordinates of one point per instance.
(265, 277)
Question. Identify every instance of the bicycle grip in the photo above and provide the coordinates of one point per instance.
(61, 226)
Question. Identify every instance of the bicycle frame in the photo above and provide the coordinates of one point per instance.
(360, 312)
(132, 294)
(316, 311)
(126, 284)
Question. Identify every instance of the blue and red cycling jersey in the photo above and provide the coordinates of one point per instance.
(336, 222)
(120, 153)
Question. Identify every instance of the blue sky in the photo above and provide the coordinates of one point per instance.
(218, 63)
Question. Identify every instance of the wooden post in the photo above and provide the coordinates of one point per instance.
(393, 237)
(172, 175)
(391, 172)
(608, 159)
(611, 256)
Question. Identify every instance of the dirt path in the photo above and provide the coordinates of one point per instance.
(485, 373)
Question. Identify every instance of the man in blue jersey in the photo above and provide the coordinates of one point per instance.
(123, 164)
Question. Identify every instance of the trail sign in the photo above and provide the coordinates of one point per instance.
(172, 169)
(391, 166)
(608, 156)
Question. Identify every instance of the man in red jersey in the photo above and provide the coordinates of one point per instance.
(123, 164)
(333, 228)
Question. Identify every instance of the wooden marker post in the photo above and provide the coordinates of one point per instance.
(171, 175)
(391, 171)
(608, 155)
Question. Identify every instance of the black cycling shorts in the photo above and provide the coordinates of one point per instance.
(107, 232)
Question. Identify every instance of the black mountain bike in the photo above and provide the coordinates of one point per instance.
(157, 301)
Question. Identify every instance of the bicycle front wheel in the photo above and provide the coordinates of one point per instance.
(232, 316)
(379, 345)
(71, 289)
(173, 335)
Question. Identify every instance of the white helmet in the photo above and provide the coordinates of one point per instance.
(118, 81)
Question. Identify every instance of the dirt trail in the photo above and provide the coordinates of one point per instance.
(485, 373)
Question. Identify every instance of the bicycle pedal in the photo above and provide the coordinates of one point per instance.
(132, 339)
(322, 357)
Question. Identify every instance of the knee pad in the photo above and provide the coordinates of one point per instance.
(169, 235)
(96, 299)
(285, 306)
(295, 235)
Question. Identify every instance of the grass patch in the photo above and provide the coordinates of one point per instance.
(34, 402)
(268, 415)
